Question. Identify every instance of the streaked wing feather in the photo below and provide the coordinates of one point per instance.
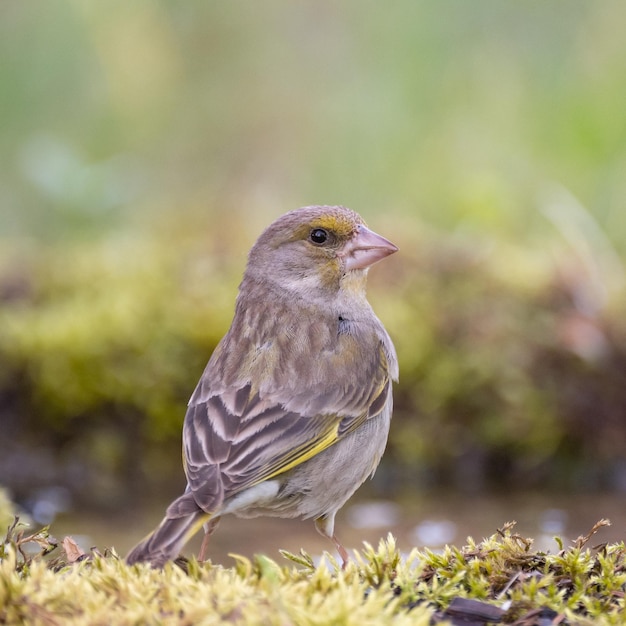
(236, 439)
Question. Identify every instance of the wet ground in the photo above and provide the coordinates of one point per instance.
(431, 522)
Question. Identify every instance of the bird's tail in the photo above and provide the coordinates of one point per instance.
(165, 543)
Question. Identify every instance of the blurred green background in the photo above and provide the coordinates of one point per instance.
(144, 145)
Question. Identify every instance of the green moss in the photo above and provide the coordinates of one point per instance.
(8, 513)
(379, 586)
(102, 343)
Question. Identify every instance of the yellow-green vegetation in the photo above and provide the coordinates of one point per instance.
(502, 576)
(143, 148)
(502, 371)
(7, 511)
(500, 124)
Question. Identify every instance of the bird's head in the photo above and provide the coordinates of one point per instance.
(316, 250)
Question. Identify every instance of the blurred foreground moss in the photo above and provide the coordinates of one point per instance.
(512, 360)
(498, 580)
(8, 511)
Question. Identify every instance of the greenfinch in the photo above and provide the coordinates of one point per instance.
(292, 412)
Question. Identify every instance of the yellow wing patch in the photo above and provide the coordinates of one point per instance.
(304, 454)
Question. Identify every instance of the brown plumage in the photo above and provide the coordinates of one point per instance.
(292, 412)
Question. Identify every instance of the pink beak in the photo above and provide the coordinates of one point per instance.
(365, 249)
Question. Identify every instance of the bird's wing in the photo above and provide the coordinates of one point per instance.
(318, 434)
(236, 439)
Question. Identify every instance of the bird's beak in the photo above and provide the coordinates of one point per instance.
(366, 248)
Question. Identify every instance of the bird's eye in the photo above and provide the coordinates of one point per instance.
(318, 236)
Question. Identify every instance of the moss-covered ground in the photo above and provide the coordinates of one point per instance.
(502, 579)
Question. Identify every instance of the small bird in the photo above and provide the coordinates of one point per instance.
(292, 412)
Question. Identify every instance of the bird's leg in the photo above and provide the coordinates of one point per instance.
(325, 526)
(209, 527)
(204, 547)
(343, 553)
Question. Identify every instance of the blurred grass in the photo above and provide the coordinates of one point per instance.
(460, 113)
(144, 145)
(511, 360)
